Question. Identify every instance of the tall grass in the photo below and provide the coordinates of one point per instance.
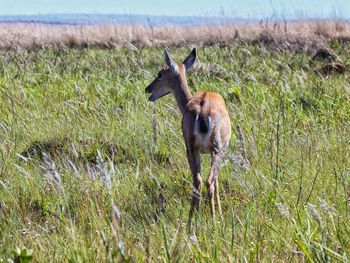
(299, 35)
(91, 171)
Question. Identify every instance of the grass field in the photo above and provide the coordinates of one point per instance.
(90, 171)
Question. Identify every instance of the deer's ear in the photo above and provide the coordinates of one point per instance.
(169, 61)
(188, 62)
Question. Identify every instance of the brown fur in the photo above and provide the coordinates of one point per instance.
(208, 106)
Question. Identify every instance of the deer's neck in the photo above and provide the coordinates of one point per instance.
(182, 93)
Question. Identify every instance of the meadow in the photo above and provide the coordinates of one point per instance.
(91, 171)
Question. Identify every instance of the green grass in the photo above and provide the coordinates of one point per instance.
(87, 110)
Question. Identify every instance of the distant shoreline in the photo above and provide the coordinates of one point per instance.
(153, 20)
(93, 19)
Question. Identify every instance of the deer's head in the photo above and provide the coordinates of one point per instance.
(166, 80)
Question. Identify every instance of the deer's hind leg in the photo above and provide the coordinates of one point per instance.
(222, 154)
(194, 162)
(212, 183)
(217, 196)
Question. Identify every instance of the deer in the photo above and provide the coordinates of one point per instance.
(206, 126)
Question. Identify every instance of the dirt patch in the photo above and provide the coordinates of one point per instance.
(332, 69)
(327, 63)
(326, 55)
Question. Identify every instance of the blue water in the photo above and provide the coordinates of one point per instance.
(76, 19)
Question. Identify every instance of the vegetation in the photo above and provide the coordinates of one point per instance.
(90, 171)
(280, 35)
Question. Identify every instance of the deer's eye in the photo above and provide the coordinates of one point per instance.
(160, 76)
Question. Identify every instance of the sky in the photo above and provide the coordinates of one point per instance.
(259, 9)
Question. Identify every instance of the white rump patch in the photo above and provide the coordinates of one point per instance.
(202, 141)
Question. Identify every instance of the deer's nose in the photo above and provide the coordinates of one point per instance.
(148, 89)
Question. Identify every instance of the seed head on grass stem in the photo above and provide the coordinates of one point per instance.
(314, 213)
(327, 208)
(51, 172)
(103, 171)
(283, 210)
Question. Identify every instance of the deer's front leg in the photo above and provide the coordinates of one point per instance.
(194, 162)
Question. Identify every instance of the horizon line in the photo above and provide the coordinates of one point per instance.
(206, 16)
